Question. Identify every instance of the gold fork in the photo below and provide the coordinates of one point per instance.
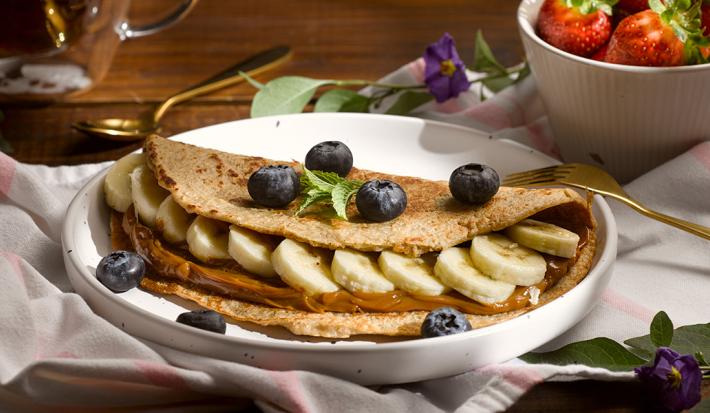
(596, 180)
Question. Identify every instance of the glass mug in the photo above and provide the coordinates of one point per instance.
(50, 49)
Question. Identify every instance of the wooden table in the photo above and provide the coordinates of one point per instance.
(331, 39)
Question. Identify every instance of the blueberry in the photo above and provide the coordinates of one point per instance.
(443, 322)
(380, 201)
(330, 156)
(474, 183)
(274, 186)
(121, 270)
(204, 319)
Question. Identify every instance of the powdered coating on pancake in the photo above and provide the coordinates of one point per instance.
(213, 184)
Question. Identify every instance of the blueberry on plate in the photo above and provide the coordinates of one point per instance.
(444, 321)
(474, 183)
(121, 270)
(380, 200)
(204, 319)
(274, 186)
(330, 156)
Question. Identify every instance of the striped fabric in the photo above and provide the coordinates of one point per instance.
(57, 356)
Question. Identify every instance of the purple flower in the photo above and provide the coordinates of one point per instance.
(444, 71)
(673, 379)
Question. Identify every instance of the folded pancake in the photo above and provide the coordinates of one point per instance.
(212, 184)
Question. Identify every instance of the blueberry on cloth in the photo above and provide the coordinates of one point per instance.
(274, 186)
(330, 156)
(474, 183)
(121, 270)
(444, 321)
(380, 200)
(204, 319)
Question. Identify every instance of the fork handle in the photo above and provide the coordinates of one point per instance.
(695, 229)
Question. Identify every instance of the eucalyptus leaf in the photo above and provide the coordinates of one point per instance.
(497, 84)
(288, 94)
(523, 73)
(483, 58)
(342, 100)
(686, 340)
(661, 330)
(407, 101)
(597, 352)
(251, 80)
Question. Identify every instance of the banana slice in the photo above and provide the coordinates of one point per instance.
(117, 185)
(251, 250)
(544, 237)
(303, 267)
(207, 239)
(172, 220)
(455, 268)
(359, 272)
(147, 194)
(414, 275)
(502, 259)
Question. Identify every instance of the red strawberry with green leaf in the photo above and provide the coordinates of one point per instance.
(576, 26)
(666, 35)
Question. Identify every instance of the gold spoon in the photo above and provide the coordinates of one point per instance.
(135, 129)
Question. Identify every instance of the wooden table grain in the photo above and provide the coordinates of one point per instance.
(331, 39)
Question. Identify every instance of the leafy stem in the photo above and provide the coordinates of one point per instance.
(356, 82)
(327, 188)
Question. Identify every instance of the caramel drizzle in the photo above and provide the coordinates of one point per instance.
(230, 280)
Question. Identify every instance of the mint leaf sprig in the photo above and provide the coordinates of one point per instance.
(327, 188)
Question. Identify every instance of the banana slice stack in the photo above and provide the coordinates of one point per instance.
(488, 272)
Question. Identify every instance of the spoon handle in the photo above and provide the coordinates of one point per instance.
(252, 66)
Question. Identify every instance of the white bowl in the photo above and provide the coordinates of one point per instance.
(423, 148)
(627, 119)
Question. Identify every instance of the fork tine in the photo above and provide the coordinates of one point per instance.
(530, 182)
(550, 169)
(548, 176)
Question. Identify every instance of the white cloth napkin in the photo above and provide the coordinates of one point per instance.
(56, 355)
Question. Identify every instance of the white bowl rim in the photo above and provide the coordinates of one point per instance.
(527, 27)
(607, 257)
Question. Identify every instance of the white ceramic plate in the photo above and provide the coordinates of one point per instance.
(397, 145)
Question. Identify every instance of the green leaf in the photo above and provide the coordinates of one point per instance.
(523, 73)
(342, 100)
(288, 94)
(251, 80)
(701, 358)
(686, 340)
(341, 195)
(311, 198)
(407, 101)
(323, 181)
(598, 352)
(661, 330)
(327, 188)
(496, 84)
(483, 58)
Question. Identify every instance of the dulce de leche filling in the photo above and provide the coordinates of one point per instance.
(230, 280)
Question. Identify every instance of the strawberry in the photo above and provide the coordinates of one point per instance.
(705, 17)
(601, 53)
(666, 35)
(632, 6)
(579, 27)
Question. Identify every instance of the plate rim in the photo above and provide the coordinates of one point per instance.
(604, 261)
